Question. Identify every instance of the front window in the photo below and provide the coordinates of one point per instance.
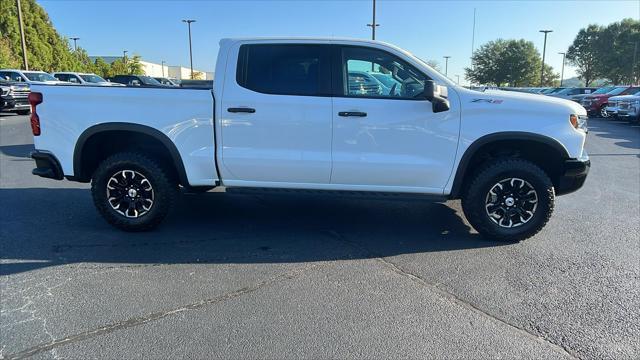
(147, 80)
(603, 90)
(91, 78)
(617, 91)
(376, 73)
(630, 91)
(37, 76)
(11, 76)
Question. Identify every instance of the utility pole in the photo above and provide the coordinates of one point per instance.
(562, 72)
(22, 39)
(124, 56)
(458, 76)
(446, 65)
(162, 65)
(634, 76)
(75, 44)
(189, 21)
(544, 50)
(473, 36)
(373, 23)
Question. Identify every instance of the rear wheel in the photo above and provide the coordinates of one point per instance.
(132, 192)
(604, 113)
(509, 200)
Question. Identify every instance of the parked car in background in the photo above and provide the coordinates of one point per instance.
(166, 81)
(287, 114)
(14, 97)
(569, 92)
(83, 79)
(136, 80)
(613, 103)
(596, 103)
(552, 90)
(197, 84)
(601, 90)
(629, 108)
(29, 77)
(362, 83)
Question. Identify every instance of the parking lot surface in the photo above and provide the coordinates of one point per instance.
(256, 276)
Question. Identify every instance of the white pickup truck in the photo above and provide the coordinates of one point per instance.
(298, 114)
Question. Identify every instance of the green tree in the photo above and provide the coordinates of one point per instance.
(134, 67)
(101, 68)
(618, 45)
(46, 49)
(8, 58)
(508, 63)
(584, 53)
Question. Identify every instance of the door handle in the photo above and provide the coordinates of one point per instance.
(352, 113)
(241, 110)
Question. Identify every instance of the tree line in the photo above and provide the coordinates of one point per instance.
(598, 52)
(47, 50)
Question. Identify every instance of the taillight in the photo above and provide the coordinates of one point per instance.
(35, 98)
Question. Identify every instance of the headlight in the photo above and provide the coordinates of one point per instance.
(578, 122)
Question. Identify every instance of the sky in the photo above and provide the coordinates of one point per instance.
(428, 29)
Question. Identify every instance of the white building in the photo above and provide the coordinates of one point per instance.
(161, 70)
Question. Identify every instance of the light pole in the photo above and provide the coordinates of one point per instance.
(124, 56)
(162, 65)
(75, 43)
(446, 64)
(373, 23)
(562, 72)
(544, 50)
(189, 21)
(458, 76)
(22, 39)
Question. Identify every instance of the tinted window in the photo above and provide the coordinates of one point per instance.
(285, 69)
(62, 77)
(376, 73)
(10, 76)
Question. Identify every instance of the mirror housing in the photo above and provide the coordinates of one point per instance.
(439, 103)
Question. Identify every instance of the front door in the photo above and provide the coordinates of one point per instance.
(276, 116)
(385, 134)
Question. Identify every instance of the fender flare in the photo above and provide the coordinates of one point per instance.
(500, 136)
(120, 126)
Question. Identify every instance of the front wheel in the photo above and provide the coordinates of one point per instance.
(509, 200)
(132, 192)
(604, 113)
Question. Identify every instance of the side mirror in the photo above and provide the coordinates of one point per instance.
(439, 103)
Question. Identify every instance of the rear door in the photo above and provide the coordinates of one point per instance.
(276, 115)
(385, 134)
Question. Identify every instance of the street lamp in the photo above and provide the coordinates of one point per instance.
(458, 76)
(162, 66)
(544, 50)
(373, 23)
(75, 43)
(23, 42)
(189, 21)
(124, 56)
(562, 72)
(446, 64)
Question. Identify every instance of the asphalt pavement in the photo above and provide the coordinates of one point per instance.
(304, 276)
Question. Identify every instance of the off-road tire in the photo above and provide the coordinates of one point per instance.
(474, 198)
(165, 190)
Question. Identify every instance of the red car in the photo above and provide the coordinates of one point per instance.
(596, 103)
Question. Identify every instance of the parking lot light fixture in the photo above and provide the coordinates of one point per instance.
(446, 64)
(562, 72)
(75, 43)
(189, 21)
(544, 50)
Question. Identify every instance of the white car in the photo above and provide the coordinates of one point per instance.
(629, 107)
(613, 103)
(29, 77)
(83, 79)
(282, 115)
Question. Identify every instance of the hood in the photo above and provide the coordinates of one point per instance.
(48, 82)
(517, 101)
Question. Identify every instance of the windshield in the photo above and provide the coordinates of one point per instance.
(603, 90)
(385, 79)
(36, 76)
(91, 78)
(564, 91)
(631, 90)
(147, 80)
(617, 91)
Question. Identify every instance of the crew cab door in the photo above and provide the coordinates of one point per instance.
(385, 134)
(276, 115)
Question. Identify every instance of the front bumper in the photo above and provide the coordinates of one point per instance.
(574, 174)
(16, 104)
(47, 165)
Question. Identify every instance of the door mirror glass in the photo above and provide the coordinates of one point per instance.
(437, 96)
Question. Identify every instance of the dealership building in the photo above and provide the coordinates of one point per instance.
(161, 70)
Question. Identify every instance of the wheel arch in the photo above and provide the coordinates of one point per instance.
(83, 173)
(474, 155)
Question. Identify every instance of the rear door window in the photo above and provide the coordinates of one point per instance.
(285, 69)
